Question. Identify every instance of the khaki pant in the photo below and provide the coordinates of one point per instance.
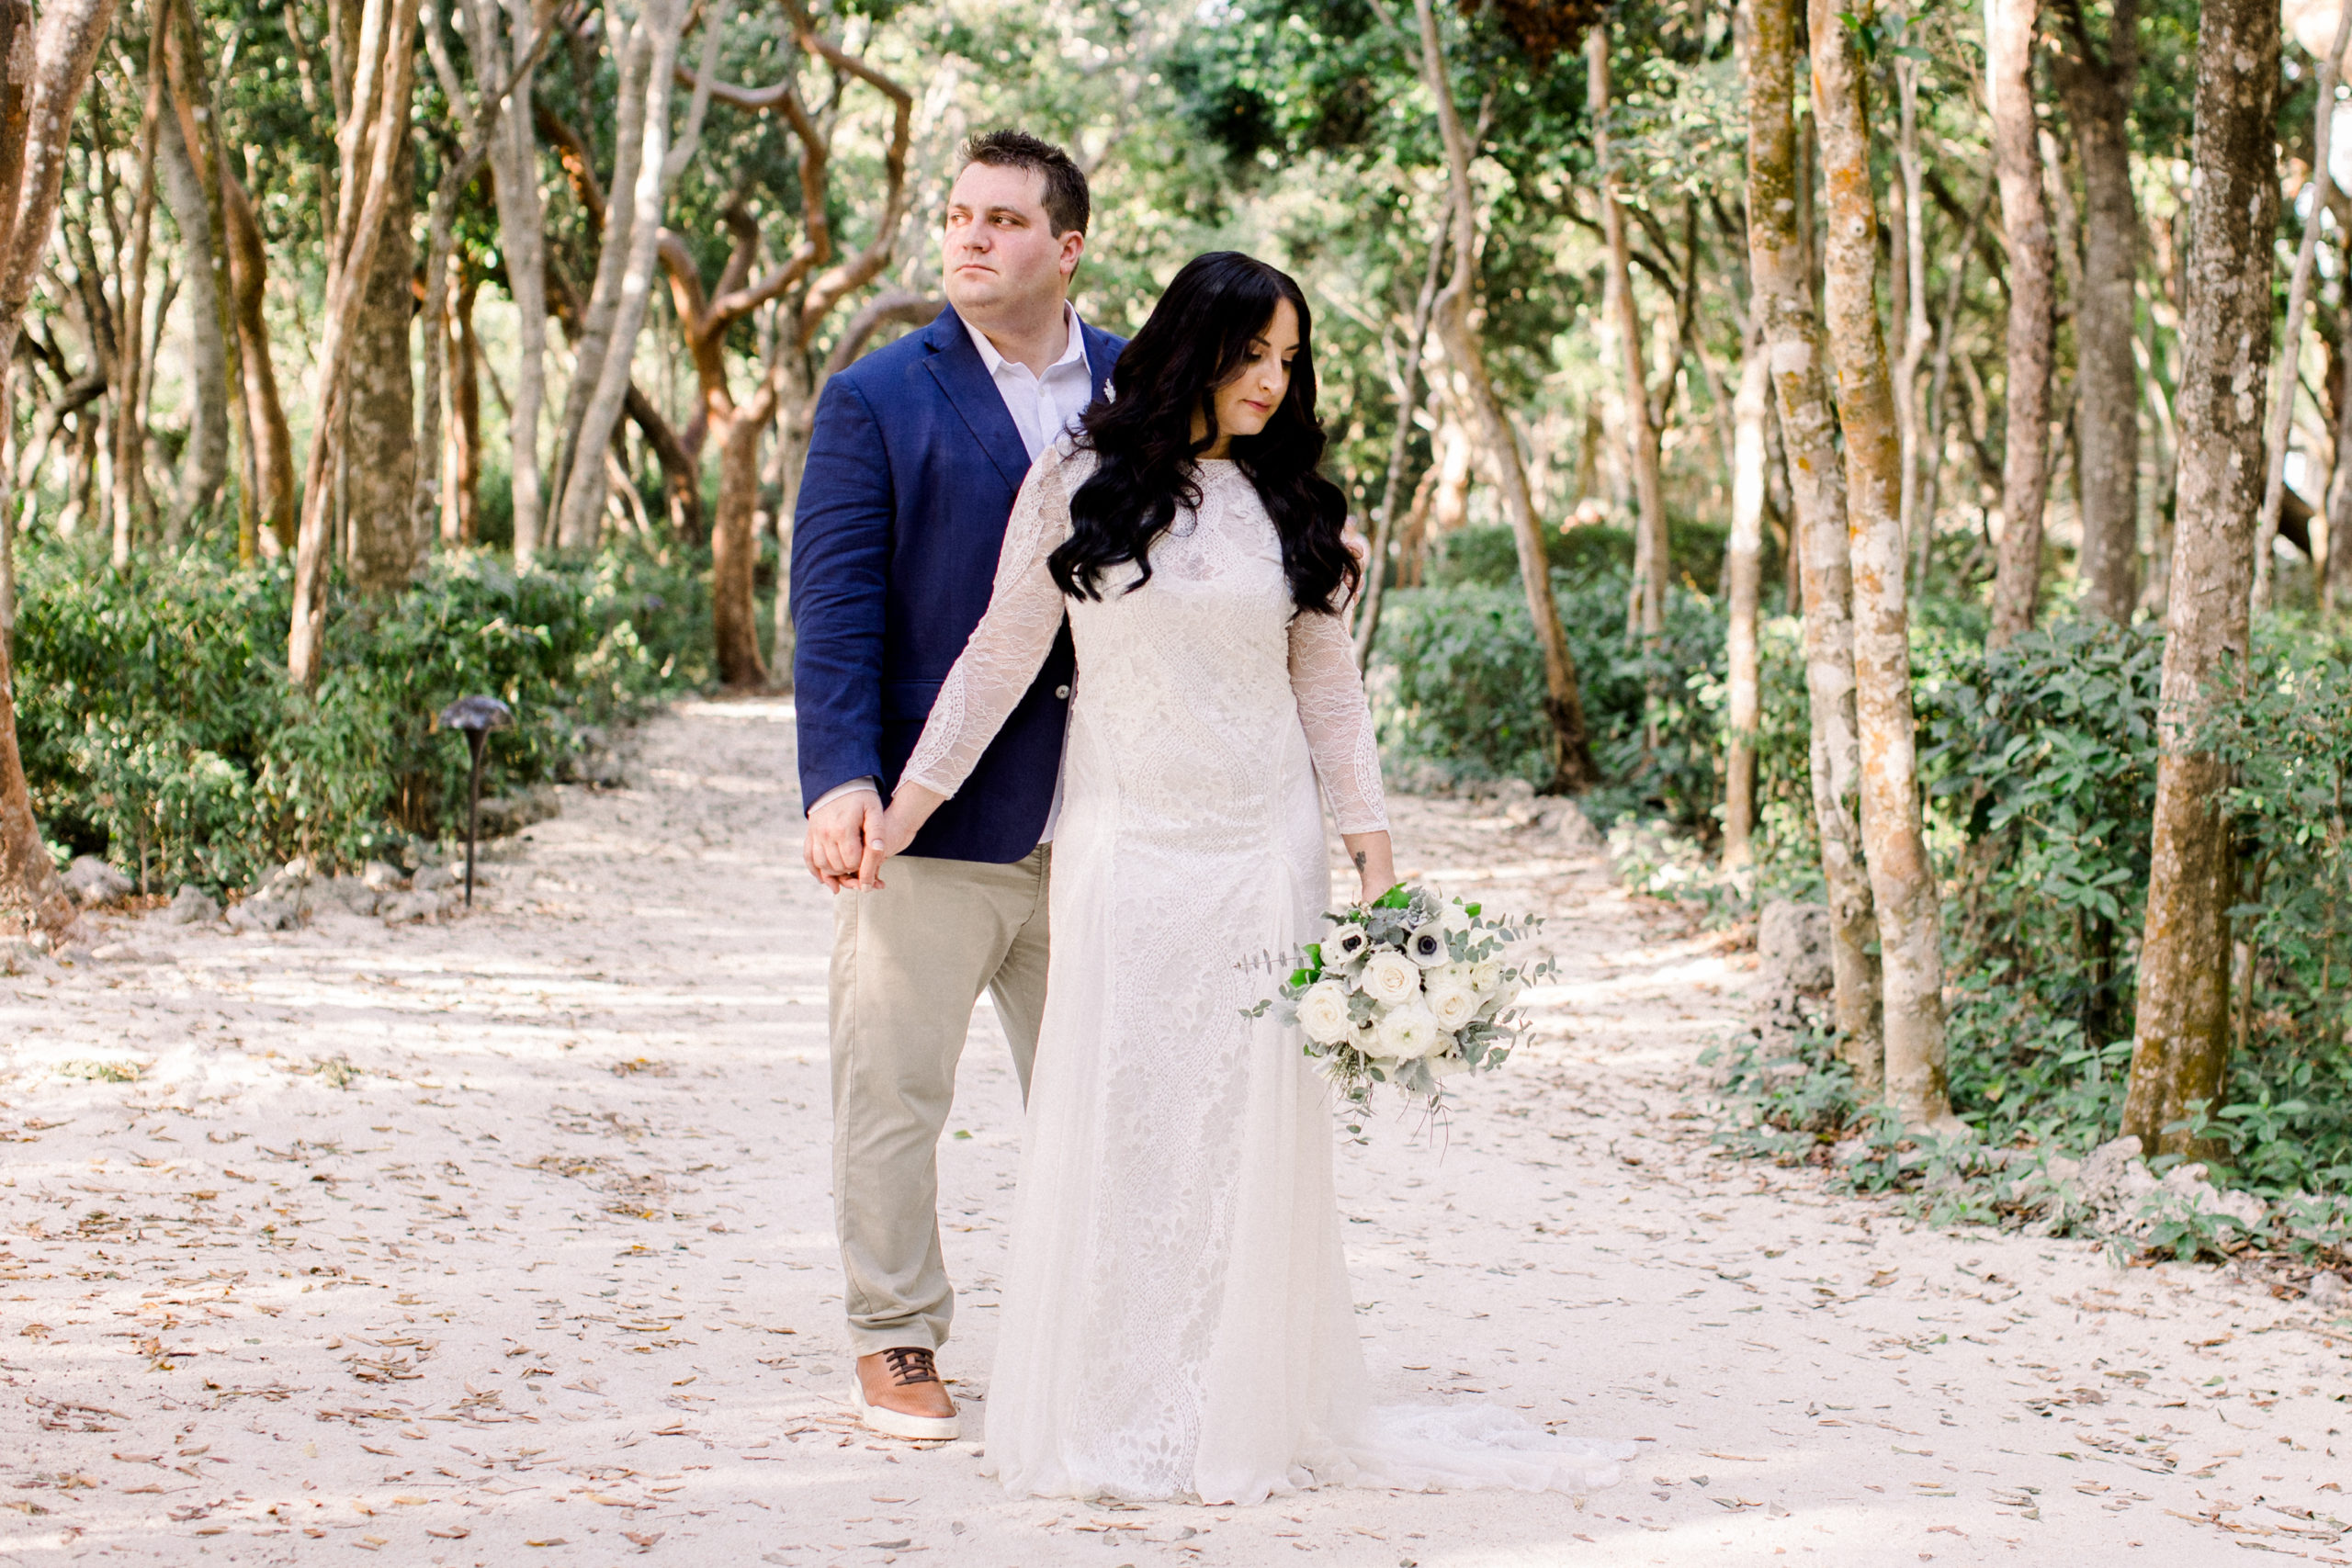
(910, 960)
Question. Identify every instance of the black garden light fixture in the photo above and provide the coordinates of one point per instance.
(475, 717)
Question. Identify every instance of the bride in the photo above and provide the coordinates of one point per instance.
(1176, 1317)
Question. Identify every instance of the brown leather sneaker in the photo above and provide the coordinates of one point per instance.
(898, 1393)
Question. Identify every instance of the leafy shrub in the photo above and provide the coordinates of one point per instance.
(1461, 691)
(1487, 556)
(158, 725)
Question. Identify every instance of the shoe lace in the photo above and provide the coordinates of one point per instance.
(908, 1366)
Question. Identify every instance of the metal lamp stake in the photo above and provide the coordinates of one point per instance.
(475, 717)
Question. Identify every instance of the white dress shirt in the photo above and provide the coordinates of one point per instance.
(1043, 409)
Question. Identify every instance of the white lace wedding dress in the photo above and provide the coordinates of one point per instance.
(1176, 1317)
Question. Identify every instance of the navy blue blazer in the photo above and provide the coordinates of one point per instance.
(913, 465)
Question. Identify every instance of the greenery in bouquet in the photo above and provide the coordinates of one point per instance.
(1411, 989)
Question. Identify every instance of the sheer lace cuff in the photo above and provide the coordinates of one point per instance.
(1337, 721)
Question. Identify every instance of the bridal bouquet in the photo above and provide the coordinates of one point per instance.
(1409, 990)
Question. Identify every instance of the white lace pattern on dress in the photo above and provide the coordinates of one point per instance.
(1176, 1317)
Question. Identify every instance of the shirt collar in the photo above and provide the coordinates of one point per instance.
(1073, 351)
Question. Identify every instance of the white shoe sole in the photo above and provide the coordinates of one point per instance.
(895, 1424)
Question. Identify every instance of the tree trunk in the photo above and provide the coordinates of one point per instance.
(461, 462)
(734, 552)
(522, 234)
(380, 432)
(1780, 263)
(1908, 405)
(2098, 98)
(1572, 766)
(199, 138)
(1744, 571)
(2032, 341)
(130, 367)
(1650, 562)
(204, 465)
(273, 439)
(1392, 490)
(633, 54)
(36, 130)
(372, 139)
(2180, 1048)
(1903, 883)
(582, 502)
(2299, 291)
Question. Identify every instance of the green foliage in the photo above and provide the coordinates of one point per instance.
(159, 729)
(1462, 686)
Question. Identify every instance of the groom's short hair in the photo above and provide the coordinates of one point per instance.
(1068, 205)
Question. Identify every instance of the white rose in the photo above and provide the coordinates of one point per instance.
(1390, 979)
(1454, 917)
(1448, 1066)
(1323, 1013)
(1410, 1032)
(1452, 1003)
(1484, 976)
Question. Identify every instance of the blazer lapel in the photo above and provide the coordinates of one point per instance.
(1099, 359)
(961, 374)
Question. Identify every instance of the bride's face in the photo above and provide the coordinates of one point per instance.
(1245, 403)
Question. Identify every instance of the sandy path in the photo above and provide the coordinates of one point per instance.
(554, 1269)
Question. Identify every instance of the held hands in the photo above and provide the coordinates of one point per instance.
(849, 839)
(839, 831)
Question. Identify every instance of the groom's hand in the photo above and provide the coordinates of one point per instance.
(839, 831)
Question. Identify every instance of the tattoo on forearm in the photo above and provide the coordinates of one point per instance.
(1361, 859)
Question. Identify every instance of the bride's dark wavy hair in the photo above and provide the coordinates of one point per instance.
(1196, 341)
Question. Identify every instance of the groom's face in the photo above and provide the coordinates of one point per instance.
(999, 253)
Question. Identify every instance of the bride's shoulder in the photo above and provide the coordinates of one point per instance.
(1073, 464)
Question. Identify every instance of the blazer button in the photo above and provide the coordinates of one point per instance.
(1062, 691)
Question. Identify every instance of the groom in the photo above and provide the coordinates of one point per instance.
(917, 453)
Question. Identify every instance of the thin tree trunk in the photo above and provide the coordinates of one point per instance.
(634, 55)
(1903, 881)
(2032, 329)
(2181, 1041)
(272, 444)
(1780, 266)
(129, 420)
(503, 70)
(380, 432)
(1909, 406)
(1571, 760)
(1646, 615)
(1744, 571)
(204, 465)
(2299, 294)
(1938, 382)
(374, 134)
(1392, 488)
(461, 464)
(36, 130)
(659, 163)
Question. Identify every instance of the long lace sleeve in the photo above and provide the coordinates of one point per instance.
(999, 663)
(1337, 721)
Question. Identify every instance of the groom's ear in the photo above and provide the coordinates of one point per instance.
(1073, 247)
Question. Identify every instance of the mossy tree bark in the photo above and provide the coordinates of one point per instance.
(1779, 268)
(2032, 326)
(2181, 1043)
(1903, 883)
